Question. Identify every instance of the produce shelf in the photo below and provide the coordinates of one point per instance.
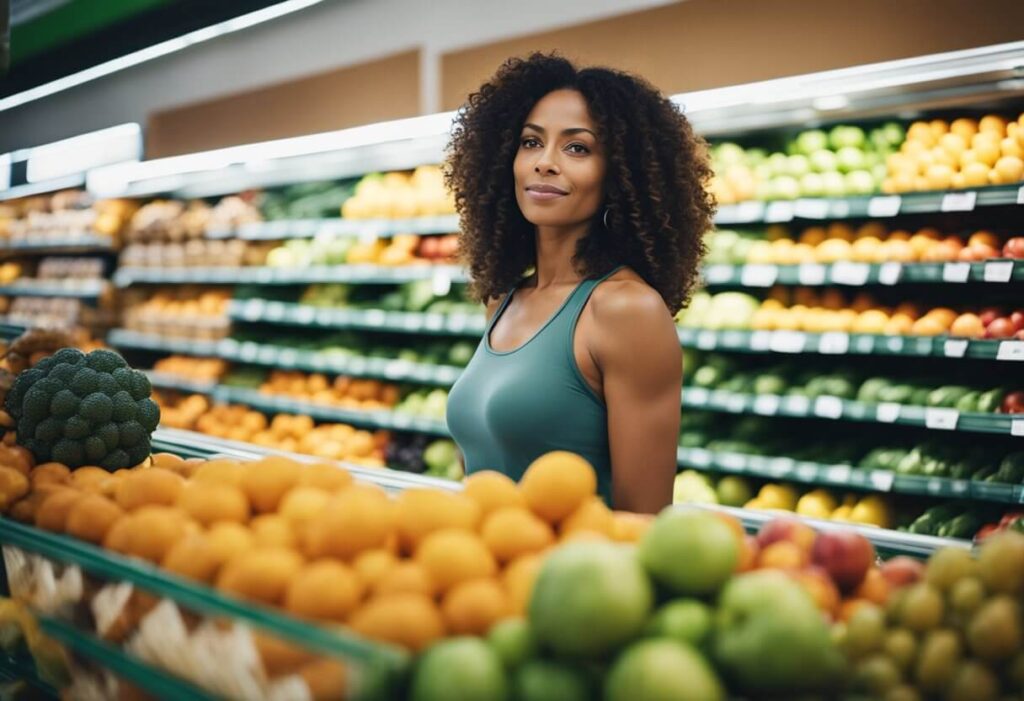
(291, 359)
(80, 289)
(1001, 270)
(165, 380)
(886, 541)
(836, 408)
(869, 206)
(845, 476)
(269, 311)
(363, 228)
(841, 343)
(365, 274)
(75, 244)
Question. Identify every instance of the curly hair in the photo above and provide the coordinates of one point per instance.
(654, 189)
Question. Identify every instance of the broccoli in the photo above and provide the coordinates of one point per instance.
(80, 409)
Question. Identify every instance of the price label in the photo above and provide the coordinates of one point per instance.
(696, 395)
(788, 342)
(732, 461)
(780, 467)
(933, 486)
(750, 211)
(274, 311)
(457, 322)
(766, 404)
(698, 457)
(956, 272)
(888, 206)
(811, 208)
(797, 405)
(433, 322)
(806, 472)
(706, 339)
(1017, 427)
(834, 343)
(760, 340)
(881, 480)
(289, 356)
(894, 343)
(718, 274)
(375, 317)
(887, 412)
(779, 211)
(1020, 195)
(759, 275)
(839, 474)
(959, 201)
(959, 487)
(999, 271)
(890, 273)
(923, 345)
(941, 419)
(846, 273)
(1010, 350)
(828, 407)
(840, 209)
(732, 339)
(811, 274)
(441, 282)
(864, 344)
(955, 347)
(305, 315)
(736, 403)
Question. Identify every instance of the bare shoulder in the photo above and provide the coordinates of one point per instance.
(626, 299)
(492, 307)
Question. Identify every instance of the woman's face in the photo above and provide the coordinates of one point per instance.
(559, 167)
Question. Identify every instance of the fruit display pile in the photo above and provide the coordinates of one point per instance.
(871, 242)
(230, 253)
(417, 296)
(63, 216)
(179, 312)
(399, 196)
(399, 250)
(175, 221)
(191, 368)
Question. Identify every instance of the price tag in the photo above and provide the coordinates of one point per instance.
(457, 322)
(736, 403)
(788, 342)
(894, 343)
(1020, 195)
(839, 474)
(828, 407)
(1010, 350)
(766, 404)
(806, 472)
(834, 343)
(798, 405)
(441, 282)
(959, 487)
(999, 271)
(732, 461)
(718, 274)
(732, 339)
(759, 275)
(274, 311)
(696, 395)
(252, 310)
(811, 274)
(749, 211)
(864, 344)
(778, 211)
(941, 419)
(288, 357)
(888, 206)
(375, 317)
(305, 315)
(890, 273)
(811, 208)
(706, 339)
(433, 322)
(923, 345)
(698, 457)
(840, 209)
(1017, 427)
(956, 272)
(780, 467)
(881, 480)
(846, 273)
(955, 347)
(760, 340)
(933, 486)
(959, 201)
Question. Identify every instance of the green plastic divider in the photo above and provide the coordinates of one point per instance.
(284, 313)
(161, 684)
(193, 596)
(87, 289)
(99, 244)
(859, 274)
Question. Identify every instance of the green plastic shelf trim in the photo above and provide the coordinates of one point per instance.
(363, 228)
(272, 312)
(842, 343)
(291, 359)
(365, 274)
(996, 270)
(884, 540)
(201, 599)
(845, 476)
(9, 332)
(79, 289)
(870, 206)
(79, 243)
(161, 684)
(836, 408)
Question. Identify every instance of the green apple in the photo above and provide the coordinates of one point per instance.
(756, 155)
(860, 182)
(785, 187)
(850, 158)
(778, 162)
(835, 185)
(798, 165)
(842, 136)
(894, 133)
(729, 154)
(440, 454)
(812, 185)
(810, 141)
(824, 161)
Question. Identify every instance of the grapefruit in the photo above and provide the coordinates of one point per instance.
(689, 552)
(542, 680)
(459, 669)
(662, 670)
(685, 620)
(513, 641)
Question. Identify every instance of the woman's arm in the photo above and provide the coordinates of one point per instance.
(638, 353)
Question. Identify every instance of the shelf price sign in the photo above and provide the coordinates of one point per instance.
(959, 201)
(888, 206)
(941, 419)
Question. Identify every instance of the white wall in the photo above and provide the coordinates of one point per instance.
(331, 35)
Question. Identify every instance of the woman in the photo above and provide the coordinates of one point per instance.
(591, 182)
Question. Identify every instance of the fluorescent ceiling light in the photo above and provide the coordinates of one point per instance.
(156, 51)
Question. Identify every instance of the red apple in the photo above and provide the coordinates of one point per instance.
(1018, 320)
(989, 314)
(1020, 335)
(1013, 403)
(845, 555)
(428, 247)
(818, 583)
(1000, 328)
(1014, 248)
(902, 571)
(788, 529)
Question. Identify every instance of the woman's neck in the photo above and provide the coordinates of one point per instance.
(555, 250)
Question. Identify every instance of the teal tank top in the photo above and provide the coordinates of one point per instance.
(509, 408)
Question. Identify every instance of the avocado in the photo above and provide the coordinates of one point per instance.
(871, 388)
(947, 396)
(990, 401)
(899, 394)
(969, 402)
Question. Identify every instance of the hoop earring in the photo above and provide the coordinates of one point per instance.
(605, 217)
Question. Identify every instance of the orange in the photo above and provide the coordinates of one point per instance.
(49, 473)
(927, 326)
(52, 514)
(155, 529)
(359, 518)
(326, 679)
(511, 532)
(154, 485)
(582, 535)
(372, 565)
(406, 577)
(272, 530)
(423, 511)
(899, 251)
(451, 556)
(409, 620)
(195, 557)
(303, 504)
(471, 608)
(833, 250)
(592, 515)
(492, 491)
(870, 321)
(943, 315)
(325, 589)
(813, 235)
(967, 326)
(782, 555)
(326, 476)
(556, 484)
(992, 123)
(986, 238)
(840, 230)
(630, 527)
(229, 539)
(213, 502)
(519, 577)
(867, 250)
(874, 587)
(91, 517)
(221, 472)
(262, 575)
(168, 461)
(266, 481)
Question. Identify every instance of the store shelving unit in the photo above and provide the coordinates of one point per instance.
(861, 274)
(355, 274)
(77, 289)
(359, 228)
(77, 244)
(289, 314)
